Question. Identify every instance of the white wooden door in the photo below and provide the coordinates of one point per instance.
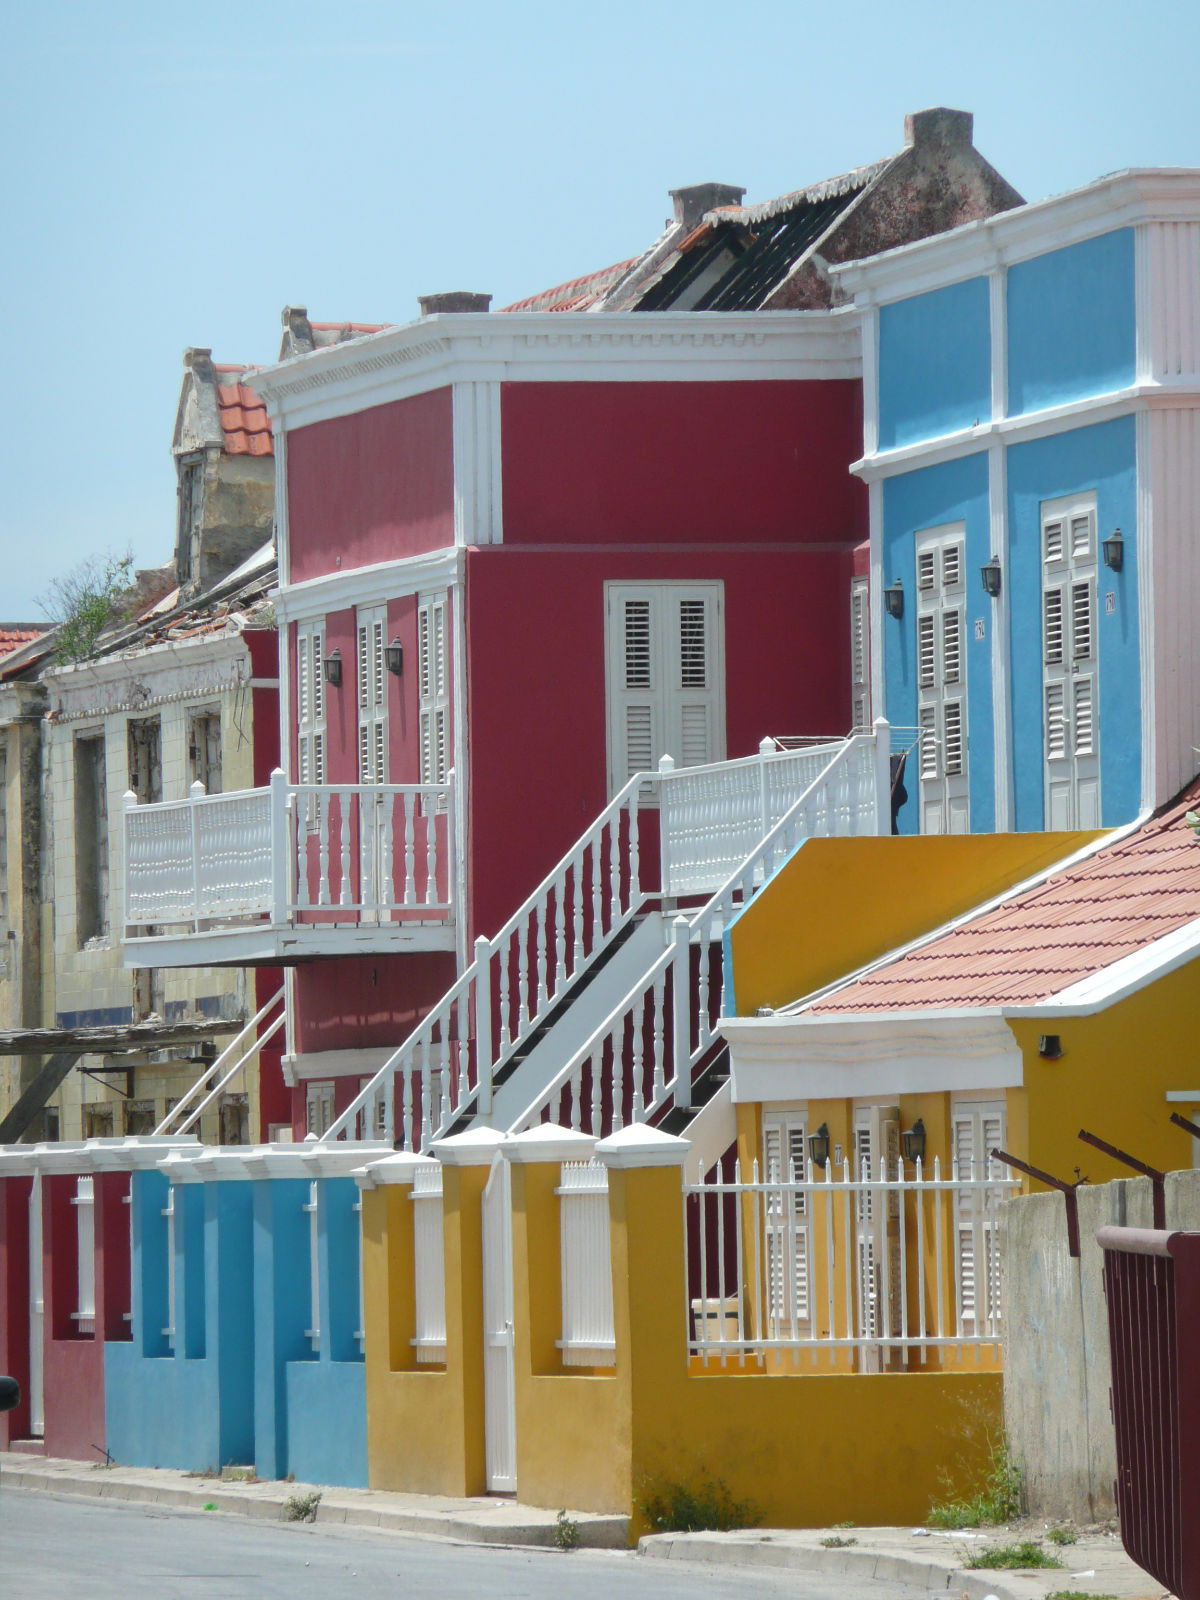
(37, 1314)
(1070, 684)
(877, 1233)
(787, 1226)
(942, 679)
(499, 1373)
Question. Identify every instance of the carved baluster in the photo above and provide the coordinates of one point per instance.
(560, 933)
(703, 1031)
(323, 895)
(614, 887)
(522, 978)
(410, 851)
(345, 811)
(503, 956)
(425, 1048)
(407, 1109)
(387, 886)
(658, 1013)
(635, 869)
(597, 892)
(431, 883)
(577, 886)
(618, 1077)
(577, 1097)
(595, 1065)
(541, 911)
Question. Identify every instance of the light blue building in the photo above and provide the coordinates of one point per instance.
(247, 1326)
(1032, 450)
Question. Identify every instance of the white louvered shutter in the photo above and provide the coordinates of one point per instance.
(310, 703)
(372, 695)
(1069, 671)
(941, 626)
(976, 1130)
(665, 677)
(788, 1245)
(433, 687)
(860, 653)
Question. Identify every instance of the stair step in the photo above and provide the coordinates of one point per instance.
(27, 1447)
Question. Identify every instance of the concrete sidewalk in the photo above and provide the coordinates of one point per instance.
(927, 1558)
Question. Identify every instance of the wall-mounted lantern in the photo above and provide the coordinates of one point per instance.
(990, 573)
(913, 1141)
(893, 599)
(818, 1146)
(393, 654)
(1049, 1046)
(333, 669)
(1114, 550)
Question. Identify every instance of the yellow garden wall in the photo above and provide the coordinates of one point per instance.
(807, 1449)
(424, 1425)
(839, 903)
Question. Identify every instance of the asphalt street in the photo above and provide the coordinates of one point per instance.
(63, 1548)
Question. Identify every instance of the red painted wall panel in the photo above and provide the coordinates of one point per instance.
(599, 463)
(371, 487)
(14, 1301)
(366, 1001)
(536, 688)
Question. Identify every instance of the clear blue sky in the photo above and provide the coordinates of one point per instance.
(176, 174)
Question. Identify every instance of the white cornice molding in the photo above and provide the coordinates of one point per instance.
(186, 669)
(1181, 394)
(1121, 200)
(853, 1056)
(365, 586)
(493, 347)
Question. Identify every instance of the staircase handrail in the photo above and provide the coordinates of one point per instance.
(676, 958)
(467, 987)
(206, 1077)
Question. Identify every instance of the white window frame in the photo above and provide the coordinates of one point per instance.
(682, 719)
(84, 1201)
(940, 659)
(1068, 550)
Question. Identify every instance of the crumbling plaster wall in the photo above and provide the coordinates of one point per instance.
(1056, 1362)
(90, 982)
(20, 936)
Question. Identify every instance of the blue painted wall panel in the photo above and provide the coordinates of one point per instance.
(327, 1422)
(956, 491)
(1071, 323)
(282, 1312)
(1102, 459)
(230, 1277)
(934, 364)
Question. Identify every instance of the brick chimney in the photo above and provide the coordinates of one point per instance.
(939, 125)
(453, 300)
(693, 201)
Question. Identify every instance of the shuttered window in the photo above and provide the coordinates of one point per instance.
(433, 687)
(372, 695)
(877, 1238)
(665, 676)
(787, 1227)
(310, 703)
(1069, 655)
(941, 627)
(976, 1130)
(860, 653)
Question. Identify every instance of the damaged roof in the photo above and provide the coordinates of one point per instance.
(1074, 924)
(718, 254)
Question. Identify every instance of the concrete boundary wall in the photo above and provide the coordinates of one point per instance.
(1056, 1362)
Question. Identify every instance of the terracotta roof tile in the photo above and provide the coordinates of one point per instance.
(244, 419)
(575, 295)
(11, 637)
(1073, 924)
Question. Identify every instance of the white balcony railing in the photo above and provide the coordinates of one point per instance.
(289, 855)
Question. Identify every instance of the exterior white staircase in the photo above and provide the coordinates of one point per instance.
(597, 1002)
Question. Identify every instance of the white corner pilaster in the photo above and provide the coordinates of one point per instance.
(477, 508)
(1001, 654)
(879, 706)
(998, 323)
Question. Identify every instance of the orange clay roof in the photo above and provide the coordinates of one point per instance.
(243, 416)
(1073, 924)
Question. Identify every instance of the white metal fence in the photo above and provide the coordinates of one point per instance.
(588, 1333)
(861, 1269)
(346, 852)
(429, 1265)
